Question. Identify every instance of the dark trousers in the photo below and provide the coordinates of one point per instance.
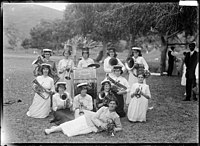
(170, 68)
(190, 83)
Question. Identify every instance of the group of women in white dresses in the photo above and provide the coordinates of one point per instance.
(134, 93)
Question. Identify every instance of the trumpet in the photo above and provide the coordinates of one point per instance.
(68, 74)
(40, 90)
(138, 92)
(81, 112)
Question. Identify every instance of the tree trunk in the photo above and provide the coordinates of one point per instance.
(163, 55)
(102, 53)
(131, 42)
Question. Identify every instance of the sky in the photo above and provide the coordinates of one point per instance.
(57, 6)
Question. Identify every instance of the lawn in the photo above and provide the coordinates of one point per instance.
(170, 121)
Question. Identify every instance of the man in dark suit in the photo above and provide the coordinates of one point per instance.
(190, 62)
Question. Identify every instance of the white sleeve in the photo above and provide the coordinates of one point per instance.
(127, 85)
(59, 66)
(133, 88)
(54, 105)
(147, 91)
(146, 67)
(197, 71)
(121, 64)
(106, 66)
(79, 64)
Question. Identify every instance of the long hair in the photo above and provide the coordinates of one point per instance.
(102, 87)
(68, 51)
(42, 67)
(132, 53)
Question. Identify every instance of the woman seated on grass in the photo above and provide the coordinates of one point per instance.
(94, 122)
(62, 105)
(82, 103)
(140, 94)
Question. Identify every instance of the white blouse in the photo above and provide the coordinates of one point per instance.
(85, 62)
(87, 101)
(59, 103)
(141, 60)
(62, 64)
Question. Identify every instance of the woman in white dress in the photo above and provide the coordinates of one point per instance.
(183, 78)
(108, 68)
(65, 69)
(95, 122)
(140, 94)
(138, 61)
(40, 107)
(62, 105)
(82, 102)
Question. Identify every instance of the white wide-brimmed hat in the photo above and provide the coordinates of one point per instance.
(60, 83)
(136, 48)
(82, 84)
(47, 50)
(46, 64)
(104, 81)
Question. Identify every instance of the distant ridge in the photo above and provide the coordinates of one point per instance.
(26, 16)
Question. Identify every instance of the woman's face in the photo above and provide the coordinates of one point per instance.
(112, 105)
(85, 55)
(61, 89)
(106, 87)
(45, 71)
(135, 53)
(117, 72)
(140, 78)
(83, 92)
(47, 55)
(66, 54)
(111, 53)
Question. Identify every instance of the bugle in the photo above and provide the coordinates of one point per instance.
(81, 112)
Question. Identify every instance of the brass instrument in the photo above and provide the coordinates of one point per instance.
(38, 62)
(54, 76)
(81, 112)
(113, 61)
(65, 97)
(129, 63)
(117, 86)
(68, 74)
(40, 90)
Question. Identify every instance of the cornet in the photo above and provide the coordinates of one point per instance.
(68, 74)
(81, 109)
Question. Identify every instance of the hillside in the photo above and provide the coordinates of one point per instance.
(26, 16)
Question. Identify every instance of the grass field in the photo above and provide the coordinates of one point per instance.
(170, 121)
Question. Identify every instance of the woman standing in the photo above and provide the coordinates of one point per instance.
(62, 104)
(108, 68)
(139, 62)
(65, 69)
(90, 123)
(140, 94)
(40, 107)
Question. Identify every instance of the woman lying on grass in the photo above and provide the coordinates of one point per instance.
(95, 122)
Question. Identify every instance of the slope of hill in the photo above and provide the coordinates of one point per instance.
(26, 16)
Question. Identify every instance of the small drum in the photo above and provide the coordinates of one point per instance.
(86, 75)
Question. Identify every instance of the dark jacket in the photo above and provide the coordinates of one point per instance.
(191, 62)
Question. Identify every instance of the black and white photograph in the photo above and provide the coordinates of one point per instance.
(109, 72)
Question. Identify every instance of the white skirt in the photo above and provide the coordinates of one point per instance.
(137, 109)
(75, 127)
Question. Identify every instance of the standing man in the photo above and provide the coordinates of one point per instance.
(190, 62)
(171, 58)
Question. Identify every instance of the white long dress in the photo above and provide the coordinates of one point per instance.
(133, 79)
(138, 107)
(183, 78)
(40, 107)
(86, 123)
(62, 64)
